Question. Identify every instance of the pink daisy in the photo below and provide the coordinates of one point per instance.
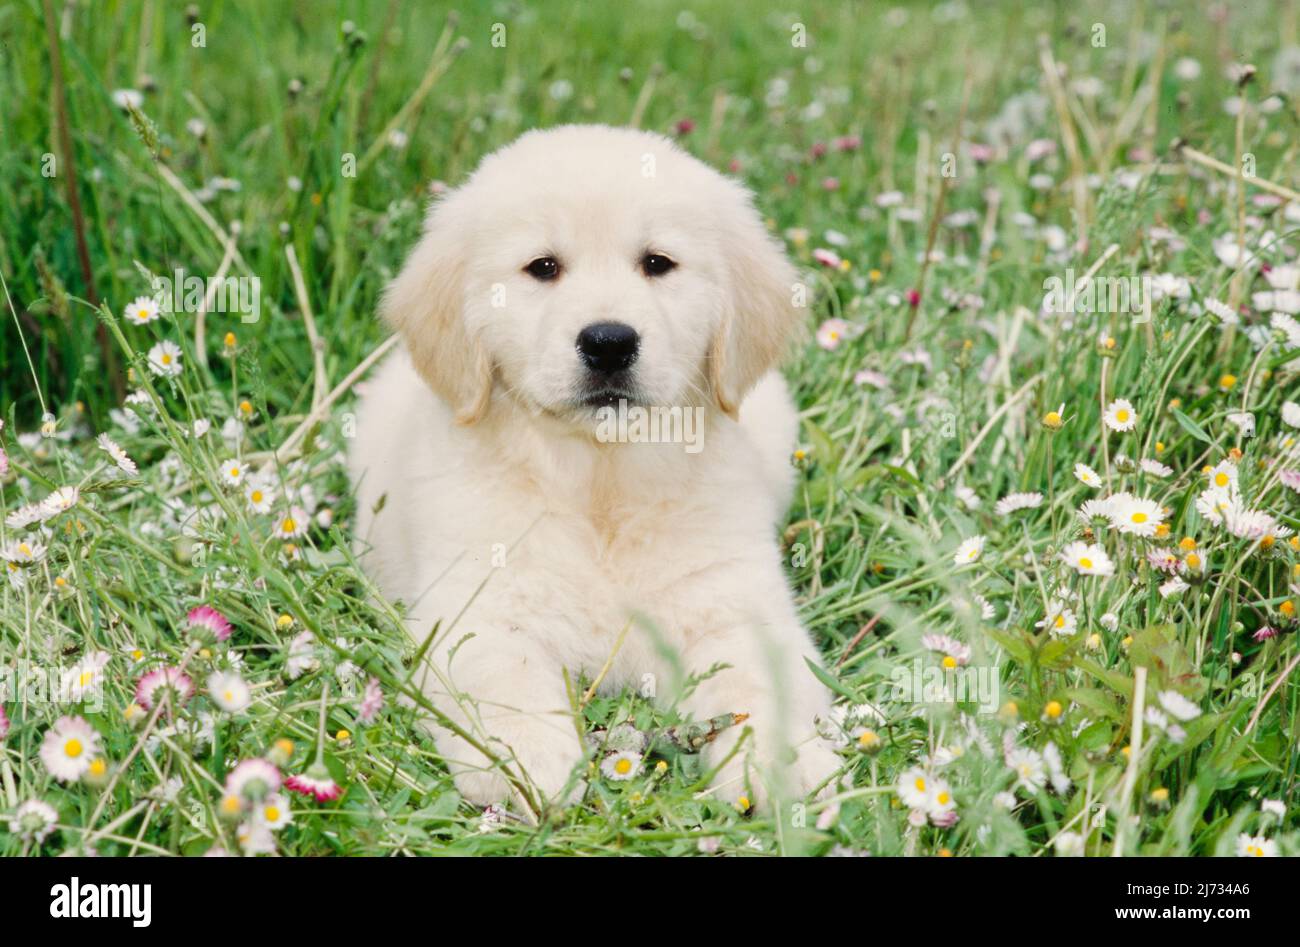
(1290, 478)
(253, 779)
(315, 782)
(207, 621)
(371, 702)
(147, 690)
(1265, 633)
(4, 723)
(1165, 560)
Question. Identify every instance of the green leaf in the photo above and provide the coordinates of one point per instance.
(832, 682)
(1191, 427)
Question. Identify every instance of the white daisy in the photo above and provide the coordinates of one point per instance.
(1213, 503)
(955, 653)
(914, 788)
(84, 677)
(1027, 764)
(124, 463)
(1178, 706)
(1095, 511)
(1223, 475)
(1086, 475)
(228, 691)
(1155, 468)
(1255, 846)
(1175, 586)
(1222, 311)
(33, 820)
(24, 551)
(1291, 413)
(141, 311)
(1136, 516)
(273, 812)
(1087, 559)
(68, 748)
(1059, 620)
(259, 496)
(302, 656)
(1245, 523)
(621, 766)
(969, 551)
(25, 516)
(1120, 416)
(232, 473)
(165, 359)
(60, 501)
(1017, 501)
(292, 524)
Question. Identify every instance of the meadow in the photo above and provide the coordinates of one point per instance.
(1049, 470)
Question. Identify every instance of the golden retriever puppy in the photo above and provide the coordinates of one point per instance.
(579, 458)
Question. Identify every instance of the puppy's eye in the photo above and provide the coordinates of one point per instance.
(656, 264)
(544, 268)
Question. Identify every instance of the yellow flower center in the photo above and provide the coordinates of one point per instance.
(1193, 561)
(288, 525)
(1060, 621)
(73, 748)
(1221, 479)
(949, 661)
(143, 314)
(166, 358)
(920, 784)
(1085, 563)
(1053, 709)
(229, 695)
(272, 813)
(256, 496)
(1139, 517)
(98, 767)
(234, 471)
(1121, 416)
(943, 798)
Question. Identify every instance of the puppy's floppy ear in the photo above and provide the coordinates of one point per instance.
(426, 304)
(760, 311)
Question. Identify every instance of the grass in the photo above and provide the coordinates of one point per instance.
(897, 466)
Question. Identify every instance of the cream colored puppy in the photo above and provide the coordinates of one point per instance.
(582, 272)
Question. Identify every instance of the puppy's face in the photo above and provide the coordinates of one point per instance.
(586, 265)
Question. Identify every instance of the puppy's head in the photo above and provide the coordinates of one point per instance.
(583, 265)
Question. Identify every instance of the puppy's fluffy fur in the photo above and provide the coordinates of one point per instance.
(487, 502)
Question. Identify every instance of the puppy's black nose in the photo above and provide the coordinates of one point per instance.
(608, 347)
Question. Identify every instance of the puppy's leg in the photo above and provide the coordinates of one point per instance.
(768, 679)
(507, 693)
(771, 422)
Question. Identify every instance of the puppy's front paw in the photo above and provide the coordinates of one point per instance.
(752, 779)
(533, 757)
(815, 770)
